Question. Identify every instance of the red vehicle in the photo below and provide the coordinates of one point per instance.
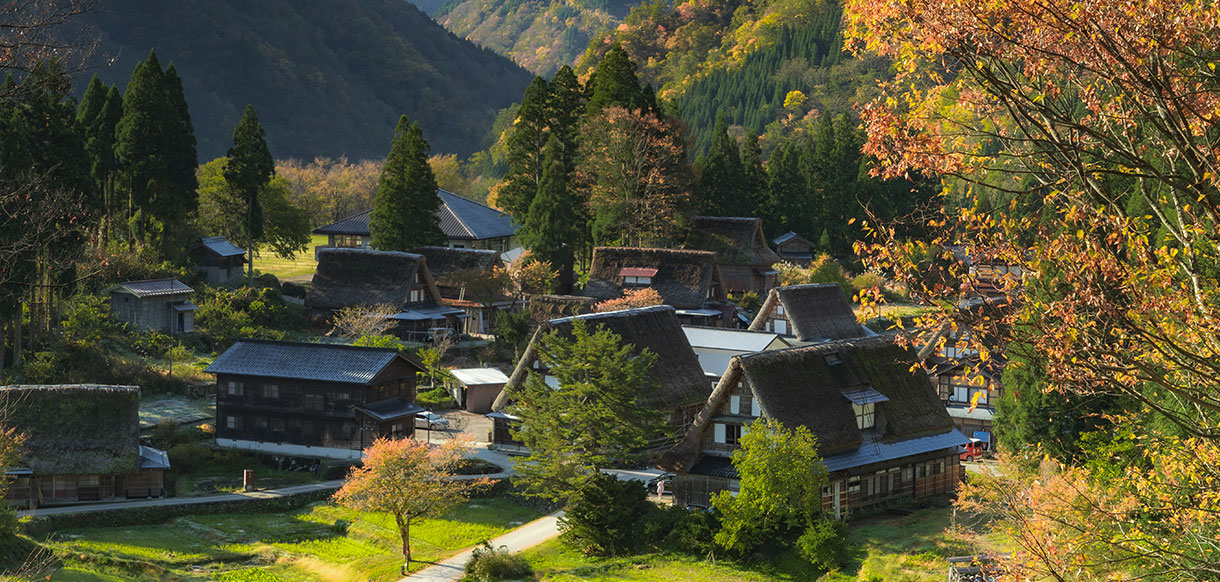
(973, 450)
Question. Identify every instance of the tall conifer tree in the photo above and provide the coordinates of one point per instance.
(555, 226)
(524, 156)
(181, 156)
(755, 179)
(787, 187)
(722, 186)
(249, 170)
(616, 83)
(404, 211)
(564, 107)
(98, 117)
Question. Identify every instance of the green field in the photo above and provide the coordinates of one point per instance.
(911, 548)
(304, 545)
(282, 268)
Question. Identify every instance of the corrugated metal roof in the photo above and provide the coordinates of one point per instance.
(729, 339)
(636, 272)
(221, 246)
(714, 466)
(479, 376)
(303, 361)
(390, 409)
(154, 287)
(874, 451)
(151, 458)
(460, 219)
(864, 396)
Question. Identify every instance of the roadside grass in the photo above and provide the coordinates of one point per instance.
(303, 264)
(305, 545)
(909, 548)
(221, 472)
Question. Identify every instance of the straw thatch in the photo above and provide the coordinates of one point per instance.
(75, 429)
(360, 277)
(677, 371)
(685, 279)
(736, 240)
(816, 312)
(544, 308)
(447, 266)
(803, 387)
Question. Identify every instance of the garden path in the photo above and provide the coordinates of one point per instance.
(522, 538)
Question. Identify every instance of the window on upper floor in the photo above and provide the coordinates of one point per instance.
(634, 281)
(271, 391)
(865, 415)
(233, 388)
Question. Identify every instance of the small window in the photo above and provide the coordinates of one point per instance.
(853, 484)
(732, 434)
(233, 422)
(312, 402)
(865, 415)
(271, 391)
(234, 388)
(734, 404)
(779, 310)
(260, 422)
(417, 296)
(277, 424)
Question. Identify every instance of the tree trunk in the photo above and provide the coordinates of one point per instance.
(17, 335)
(249, 259)
(404, 529)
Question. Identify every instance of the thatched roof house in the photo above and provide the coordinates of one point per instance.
(447, 266)
(79, 432)
(544, 308)
(685, 279)
(741, 250)
(682, 386)
(870, 412)
(810, 313)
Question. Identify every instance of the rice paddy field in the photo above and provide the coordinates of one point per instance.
(321, 542)
(887, 548)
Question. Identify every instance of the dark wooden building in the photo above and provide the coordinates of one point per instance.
(746, 262)
(154, 305)
(809, 313)
(793, 248)
(683, 388)
(82, 444)
(463, 280)
(218, 260)
(361, 278)
(689, 281)
(881, 431)
(312, 400)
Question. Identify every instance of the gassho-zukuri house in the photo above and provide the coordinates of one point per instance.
(82, 444)
(881, 430)
(689, 281)
(682, 387)
(306, 400)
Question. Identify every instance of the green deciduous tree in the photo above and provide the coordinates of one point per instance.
(781, 487)
(247, 173)
(404, 211)
(286, 228)
(592, 419)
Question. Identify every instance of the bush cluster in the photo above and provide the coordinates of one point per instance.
(487, 564)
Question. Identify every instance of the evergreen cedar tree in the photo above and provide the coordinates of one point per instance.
(524, 154)
(556, 223)
(155, 148)
(1080, 138)
(592, 420)
(98, 116)
(404, 210)
(247, 173)
(722, 189)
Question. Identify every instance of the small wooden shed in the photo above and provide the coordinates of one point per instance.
(218, 260)
(477, 388)
(154, 305)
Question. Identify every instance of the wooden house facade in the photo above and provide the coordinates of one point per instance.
(217, 260)
(463, 280)
(689, 281)
(466, 224)
(154, 305)
(82, 444)
(299, 399)
(683, 388)
(746, 261)
(355, 278)
(809, 314)
(880, 428)
(793, 248)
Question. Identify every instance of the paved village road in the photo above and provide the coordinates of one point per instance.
(522, 538)
(170, 501)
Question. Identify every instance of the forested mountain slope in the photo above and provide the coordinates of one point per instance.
(744, 59)
(541, 35)
(327, 77)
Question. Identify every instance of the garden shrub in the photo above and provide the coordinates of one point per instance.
(605, 517)
(487, 564)
(437, 399)
(291, 289)
(248, 575)
(693, 531)
(822, 543)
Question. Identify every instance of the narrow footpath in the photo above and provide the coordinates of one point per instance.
(170, 501)
(522, 538)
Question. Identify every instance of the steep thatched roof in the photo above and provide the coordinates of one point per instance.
(736, 240)
(75, 429)
(447, 264)
(683, 278)
(655, 328)
(544, 308)
(805, 386)
(816, 312)
(359, 277)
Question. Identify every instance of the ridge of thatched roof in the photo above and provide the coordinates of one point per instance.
(817, 311)
(544, 308)
(684, 278)
(361, 277)
(656, 328)
(804, 386)
(446, 263)
(75, 429)
(736, 240)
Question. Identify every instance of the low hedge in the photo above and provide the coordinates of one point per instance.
(42, 526)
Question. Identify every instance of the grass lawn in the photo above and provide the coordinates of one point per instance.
(269, 262)
(311, 544)
(893, 549)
